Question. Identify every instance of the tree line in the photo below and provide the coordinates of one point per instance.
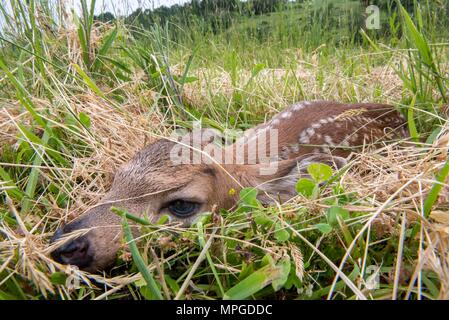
(214, 16)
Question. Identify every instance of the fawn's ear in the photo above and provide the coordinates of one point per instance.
(279, 179)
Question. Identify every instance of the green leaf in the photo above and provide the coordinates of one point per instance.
(42, 142)
(431, 138)
(262, 219)
(253, 283)
(257, 68)
(433, 289)
(411, 121)
(105, 47)
(267, 260)
(33, 177)
(13, 191)
(334, 212)
(24, 96)
(189, 80)
(146, 293)
(185, 79)
(58, 278)
(118, 64)
(90, 83)
(140, 283)
(416, 37)
(163, 219)
(171, 283)
(323, 227)
(284, 266)
(292, 280)
(248, 196)
(305, 187)
(84, 119)
(250, 285)
(277, 275)
(130, 216)
(436, 188)
(280, 233)
(247, 270)
(320, 172)
(83, 43)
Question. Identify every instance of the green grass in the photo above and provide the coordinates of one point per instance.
(78, 98)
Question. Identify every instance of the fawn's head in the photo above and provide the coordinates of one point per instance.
(152, 185)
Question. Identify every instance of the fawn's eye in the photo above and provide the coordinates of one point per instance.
(182, 208)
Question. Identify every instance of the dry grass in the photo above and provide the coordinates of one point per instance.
(403, 171)
(390, 184)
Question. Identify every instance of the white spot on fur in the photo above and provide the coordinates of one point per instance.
(325, 149)
(304, 138)
(363, 120)
(295, 148)
(316, 125)
(328, 140)
(298, 106)
(286, 114)
(369, 120)
(284, 153)
(275, 122)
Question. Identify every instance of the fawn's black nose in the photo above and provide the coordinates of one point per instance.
(75, 252)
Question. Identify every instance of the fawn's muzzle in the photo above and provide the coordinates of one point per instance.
(76, 252)
(96, 247)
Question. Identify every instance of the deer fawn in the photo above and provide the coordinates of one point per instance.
(155, 183)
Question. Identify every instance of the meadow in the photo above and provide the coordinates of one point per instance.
(80, 95)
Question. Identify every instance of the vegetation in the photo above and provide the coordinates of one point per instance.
(80, 95)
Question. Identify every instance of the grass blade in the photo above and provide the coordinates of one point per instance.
(253, 283)
(435, 191)
(105, 48)
(138, 260)
(90, 83)
(411, 121)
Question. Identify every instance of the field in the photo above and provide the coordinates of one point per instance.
(80, 95)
